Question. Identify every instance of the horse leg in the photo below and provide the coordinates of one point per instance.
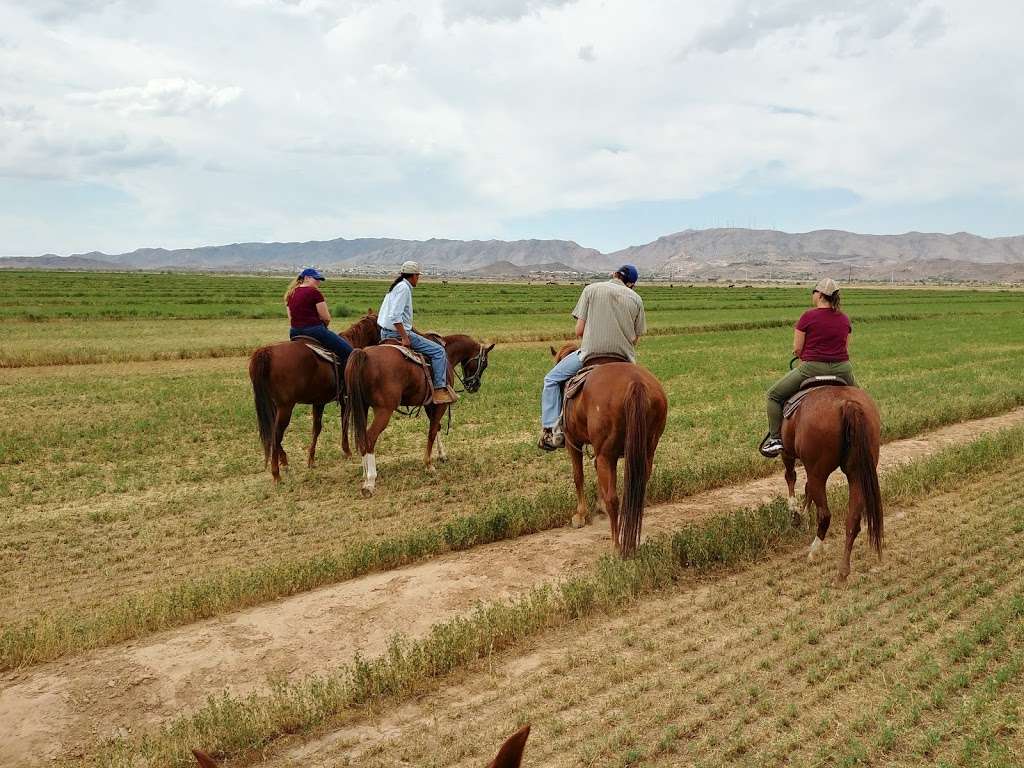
(606, 467)
(381, 417)
(853, 515)
(815, 490)
(318, 423)
(442, 454)
(434, 415)
(580, 518)
(278, 458)
(790, 464)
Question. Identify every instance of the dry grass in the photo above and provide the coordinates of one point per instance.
(410, 667)
(142, 482)
(918, 662)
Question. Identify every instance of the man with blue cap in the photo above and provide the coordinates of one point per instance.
(309, 315)
(609, 321)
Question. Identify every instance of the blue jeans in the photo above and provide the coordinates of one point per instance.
(551, 395)
(432, 351)
(327, 338)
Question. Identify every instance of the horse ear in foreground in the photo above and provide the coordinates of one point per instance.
(836, 427)
(620, 411)
(510, 755)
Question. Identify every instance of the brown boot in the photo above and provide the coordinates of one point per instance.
(444, 396)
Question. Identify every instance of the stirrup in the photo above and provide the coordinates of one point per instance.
(770, 447)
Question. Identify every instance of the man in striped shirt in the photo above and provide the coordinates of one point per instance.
(609, 321)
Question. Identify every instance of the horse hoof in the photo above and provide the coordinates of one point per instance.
(816, 546)
(431, 469)
(366, 492)
(577, 521)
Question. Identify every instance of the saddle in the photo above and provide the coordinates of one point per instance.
(318, 349)
(326, 354)
(575, 384)
(413, 357)
(793, 404)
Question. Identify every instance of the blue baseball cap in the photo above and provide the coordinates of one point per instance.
(310, 272)
(628, 272)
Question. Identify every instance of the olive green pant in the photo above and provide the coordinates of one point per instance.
(789, 385)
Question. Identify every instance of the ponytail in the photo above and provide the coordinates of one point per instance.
(291, 288)
(398, 279)
(833, 301)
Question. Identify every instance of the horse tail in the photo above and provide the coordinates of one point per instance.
(635, 478)
(266, 410)
(861, 468)
(357, 404)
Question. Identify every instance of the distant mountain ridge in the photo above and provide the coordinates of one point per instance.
(706, 254)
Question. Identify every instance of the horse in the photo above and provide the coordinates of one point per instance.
(836, 427)
(384, 378)
(510, 754)
(620, 412)
(289, 372)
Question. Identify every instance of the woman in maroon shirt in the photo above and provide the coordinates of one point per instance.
(819, 340)
(309, 315)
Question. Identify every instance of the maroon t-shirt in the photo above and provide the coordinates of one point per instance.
(826, 335)
(302, 304)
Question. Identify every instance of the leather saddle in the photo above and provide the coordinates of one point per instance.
(318, 349)
(413, 357)
(574, 385)
(793, 404)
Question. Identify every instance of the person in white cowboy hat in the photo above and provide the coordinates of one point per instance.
(820, 341)
(395, 321)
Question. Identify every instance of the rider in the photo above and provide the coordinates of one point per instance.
(819, 340)
(395, 321)
(609, 321)
(309, 315)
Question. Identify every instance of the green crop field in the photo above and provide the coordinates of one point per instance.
(135, 499)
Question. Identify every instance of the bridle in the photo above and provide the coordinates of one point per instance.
(472, 382)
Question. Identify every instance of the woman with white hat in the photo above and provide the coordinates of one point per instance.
(395, 321)
(820, 341)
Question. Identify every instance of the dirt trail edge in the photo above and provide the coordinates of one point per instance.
(60, 708)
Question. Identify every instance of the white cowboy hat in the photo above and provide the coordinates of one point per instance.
(410, 268)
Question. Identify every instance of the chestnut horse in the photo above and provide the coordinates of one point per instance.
(836, 427)
(621, 412)
(510, 755)
(384, 378)
(289, 372)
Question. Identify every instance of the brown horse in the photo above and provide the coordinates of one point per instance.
(836, 427)
(621, 412)
(382, 377)
(510, 755)
(288, 373)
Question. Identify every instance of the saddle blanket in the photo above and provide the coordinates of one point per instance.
(413, 357)
(318, 350)
(793, 404)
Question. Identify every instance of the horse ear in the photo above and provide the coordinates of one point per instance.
(204, 759)
(490, 347)
(511, 753)
(554, 352)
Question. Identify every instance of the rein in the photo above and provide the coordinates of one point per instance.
(476, 377)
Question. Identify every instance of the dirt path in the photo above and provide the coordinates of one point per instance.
(60, 708)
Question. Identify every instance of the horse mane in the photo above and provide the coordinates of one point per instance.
(362, 330)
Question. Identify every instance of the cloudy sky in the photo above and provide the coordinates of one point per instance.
(128, 123)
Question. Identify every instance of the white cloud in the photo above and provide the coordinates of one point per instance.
(162, 96)
(449, 117)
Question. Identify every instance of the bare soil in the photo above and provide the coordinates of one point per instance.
(59, 709)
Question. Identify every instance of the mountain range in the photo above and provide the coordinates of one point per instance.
(705, 254)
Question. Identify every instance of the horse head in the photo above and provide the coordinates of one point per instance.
(473, 368)
(567, 348)
(510, 755)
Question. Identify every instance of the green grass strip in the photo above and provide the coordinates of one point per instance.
(236, 726)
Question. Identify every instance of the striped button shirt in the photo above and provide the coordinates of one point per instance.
(614, 318)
